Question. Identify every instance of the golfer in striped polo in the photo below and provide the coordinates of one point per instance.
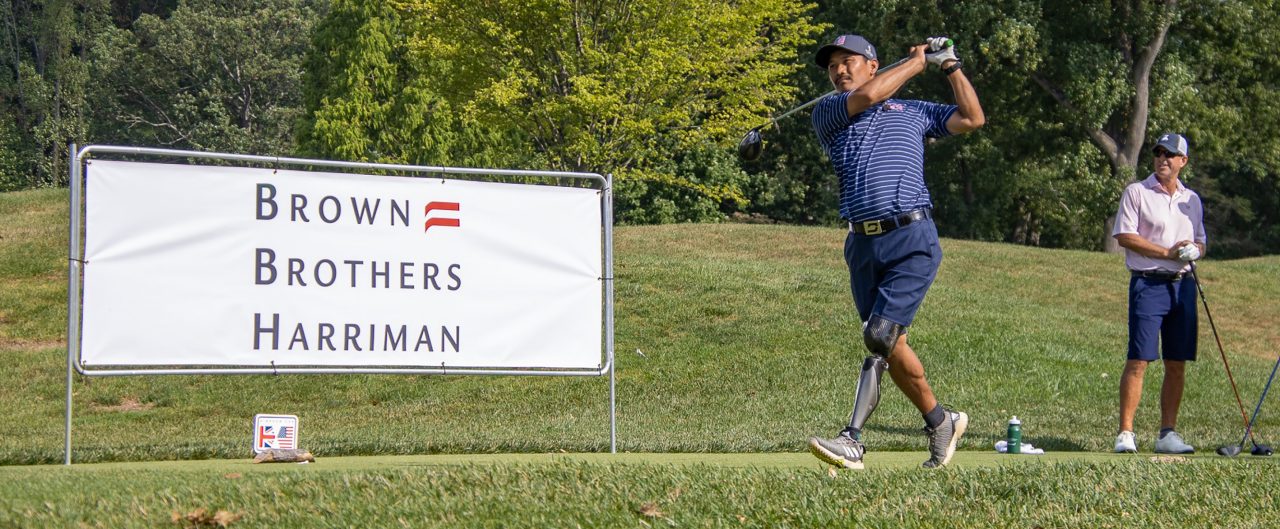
(876, 144)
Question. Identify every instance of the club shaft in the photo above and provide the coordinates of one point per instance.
(802, 107)
(1248, 430)
(1194, 277)
(833, 92)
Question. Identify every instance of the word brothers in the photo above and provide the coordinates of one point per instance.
(268, 333)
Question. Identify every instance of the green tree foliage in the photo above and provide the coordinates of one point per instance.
(657, 92)
(45, 88)
(793, 181)
(215, 75)
(125, 12)
(1073, 93)
(636, 88)
(1226, 100)
(368, 97)
(1029, 176)
(1099, 81)
(1097, 65)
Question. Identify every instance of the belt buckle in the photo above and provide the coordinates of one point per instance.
(872, 227)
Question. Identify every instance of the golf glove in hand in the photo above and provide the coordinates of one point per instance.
(940, 51)
(1189, 252)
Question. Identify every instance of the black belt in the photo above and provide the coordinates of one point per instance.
(1162, 275)
(881, 226)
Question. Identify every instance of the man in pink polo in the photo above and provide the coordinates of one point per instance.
(1161, 227)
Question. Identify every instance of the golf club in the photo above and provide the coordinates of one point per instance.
(1258, 450)
(751, 145)
(1230, 450)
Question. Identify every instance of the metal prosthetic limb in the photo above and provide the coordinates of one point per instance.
(868, 396)
(881, 336)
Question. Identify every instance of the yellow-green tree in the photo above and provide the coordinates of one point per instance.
(630, 87)
(368, 100)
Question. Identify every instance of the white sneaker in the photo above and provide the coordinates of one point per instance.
(1171, 443)
(1125, 443)
(842, 451)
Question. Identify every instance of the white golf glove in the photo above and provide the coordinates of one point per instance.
(940, 50)
(1189, 252)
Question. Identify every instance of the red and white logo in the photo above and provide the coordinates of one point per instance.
(436, 220)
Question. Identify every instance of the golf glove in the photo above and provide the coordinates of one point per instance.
(939, 51)
(1189, 252)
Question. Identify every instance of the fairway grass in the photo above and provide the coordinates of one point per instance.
(650, 490)
(734, 344)
(878, 461)
(730, 338)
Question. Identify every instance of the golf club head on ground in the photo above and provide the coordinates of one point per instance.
(1261, 450)
(751, 146)
(1229, 450)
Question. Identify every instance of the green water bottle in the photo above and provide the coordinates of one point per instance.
(1015, 436)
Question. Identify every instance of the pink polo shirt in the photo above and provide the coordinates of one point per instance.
(1147, 210)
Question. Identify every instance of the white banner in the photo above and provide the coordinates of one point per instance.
(198, 265)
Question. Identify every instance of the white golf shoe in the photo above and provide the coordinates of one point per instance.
(1171, 443)
(1126, 444)
(842, 451)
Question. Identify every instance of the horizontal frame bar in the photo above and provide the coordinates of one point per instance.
(279, 160)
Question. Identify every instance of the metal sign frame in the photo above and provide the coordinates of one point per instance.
(75, 273)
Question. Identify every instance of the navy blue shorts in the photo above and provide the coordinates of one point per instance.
(1162, 312)
(890, 273)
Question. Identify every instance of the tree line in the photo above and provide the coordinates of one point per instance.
(657, 93)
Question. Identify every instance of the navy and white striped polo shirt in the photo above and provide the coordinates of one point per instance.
(879, 154)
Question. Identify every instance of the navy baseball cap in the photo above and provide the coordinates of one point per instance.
(1173, 143)
(850, 43)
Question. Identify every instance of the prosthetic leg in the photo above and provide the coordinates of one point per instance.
(881, 336)
(846, 449)
(868, 396)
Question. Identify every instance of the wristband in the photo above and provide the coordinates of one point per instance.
(952, 69)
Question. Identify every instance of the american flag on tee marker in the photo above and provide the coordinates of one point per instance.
(278, 437)
(285, 438)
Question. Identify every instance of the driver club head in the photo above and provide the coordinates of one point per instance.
(1261, 450)
(1229, 450)
(751, 145)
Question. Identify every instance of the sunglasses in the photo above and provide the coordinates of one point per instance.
(848, 61)
(1161, 153)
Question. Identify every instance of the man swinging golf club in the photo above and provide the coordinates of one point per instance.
(1160, 224)
(876, 145)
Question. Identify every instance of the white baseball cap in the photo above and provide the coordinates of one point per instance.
(1172, 142)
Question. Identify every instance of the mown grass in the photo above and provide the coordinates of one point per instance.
(1134, 492)
(33, 269)
(730, 338)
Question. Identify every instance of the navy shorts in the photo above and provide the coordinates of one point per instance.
(1162, 312)
(890, 273)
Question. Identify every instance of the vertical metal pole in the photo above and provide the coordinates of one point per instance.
(608, 272)
(73, 291)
